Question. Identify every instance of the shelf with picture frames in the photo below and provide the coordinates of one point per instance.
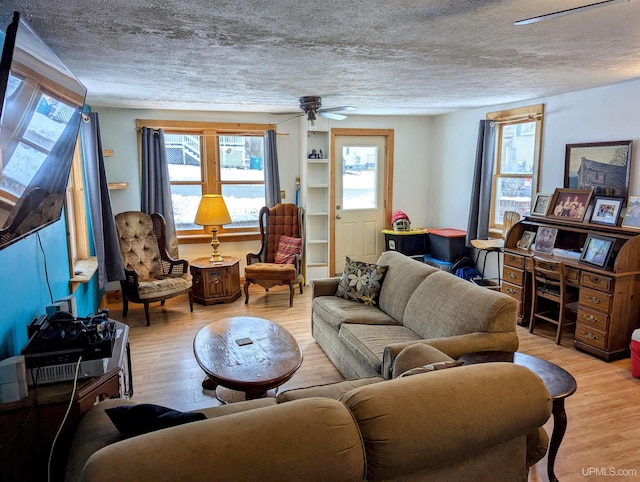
(609, 302)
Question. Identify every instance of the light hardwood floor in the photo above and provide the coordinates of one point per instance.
(603, 431)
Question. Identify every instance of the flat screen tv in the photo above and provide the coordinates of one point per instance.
(42, 104)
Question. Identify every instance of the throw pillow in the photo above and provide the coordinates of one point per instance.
(431, 368)
(288, 247)
(361, 281)
(132, 420)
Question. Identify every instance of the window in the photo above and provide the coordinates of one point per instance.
(214, 158)
(517, 161)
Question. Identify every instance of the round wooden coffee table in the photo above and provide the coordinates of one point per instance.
(559, 382)
(246, 354)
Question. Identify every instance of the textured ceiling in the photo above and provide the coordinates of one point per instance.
(382, 57)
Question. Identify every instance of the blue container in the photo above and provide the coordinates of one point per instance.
(437, 263)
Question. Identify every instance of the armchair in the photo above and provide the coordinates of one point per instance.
(262, 267)
(151, 274)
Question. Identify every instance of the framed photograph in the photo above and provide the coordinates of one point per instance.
(632, 217)
(526, 240)
(541, 204)
(600, 166)
(546, 240)
(606, 210)
(597, 250)
(569, 204)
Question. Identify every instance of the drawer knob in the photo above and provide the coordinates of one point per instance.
(592, 318)
(594, 279)
(511, 275)
(511, 291)
(594, 299)
(590, 335)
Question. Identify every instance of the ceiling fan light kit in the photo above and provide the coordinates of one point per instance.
(569, 11)
(311, 106)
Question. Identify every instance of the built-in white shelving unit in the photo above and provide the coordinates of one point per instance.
(315, 197)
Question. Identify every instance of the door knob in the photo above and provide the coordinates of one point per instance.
(338, 207)
(339, 216)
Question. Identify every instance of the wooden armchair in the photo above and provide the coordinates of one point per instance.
(266, 267)
(151, 274)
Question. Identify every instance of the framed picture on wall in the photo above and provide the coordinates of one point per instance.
(541, 204)
(632, 217)
(600, 166)
(606, 210)
(597, 250)
(569, 204)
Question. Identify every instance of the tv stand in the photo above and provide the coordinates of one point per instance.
(30, 425)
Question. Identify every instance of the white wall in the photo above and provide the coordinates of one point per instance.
(412, 145)
(609, 113)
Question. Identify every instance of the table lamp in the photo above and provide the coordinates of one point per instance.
(213, 212)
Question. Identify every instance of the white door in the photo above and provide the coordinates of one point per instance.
(359, 185)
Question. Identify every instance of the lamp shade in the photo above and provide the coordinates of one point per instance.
(212, 211)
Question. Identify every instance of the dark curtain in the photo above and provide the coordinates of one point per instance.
(271, 174)
(478, 225)
(156, 191)
(103, 224)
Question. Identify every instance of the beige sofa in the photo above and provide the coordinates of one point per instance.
(478, 422)
(417, 303)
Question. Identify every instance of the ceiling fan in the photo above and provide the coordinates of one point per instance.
(311, 106)
(569, 11)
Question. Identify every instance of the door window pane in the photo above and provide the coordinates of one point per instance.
(359, 181)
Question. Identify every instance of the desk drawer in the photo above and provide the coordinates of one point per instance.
(596, 281)
(572, 275)
(512, 290)
(514, 260)
(593, 319)
(596, 300)
(591, 337)
(512, 275)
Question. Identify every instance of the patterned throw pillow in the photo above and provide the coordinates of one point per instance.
(288, 247)
(361, 281)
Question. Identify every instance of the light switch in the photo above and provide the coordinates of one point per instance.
(282, 193)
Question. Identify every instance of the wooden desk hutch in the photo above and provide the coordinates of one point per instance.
(609, 302)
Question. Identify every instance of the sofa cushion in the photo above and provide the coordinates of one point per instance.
(335, 311)
(441, 307)
(367, 342)
(361, 281)
(132, 420)
(417, 355)
(402, 278)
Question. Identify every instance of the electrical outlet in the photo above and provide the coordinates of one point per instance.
(283, 193)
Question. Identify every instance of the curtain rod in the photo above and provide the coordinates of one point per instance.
(219, 134)
(515, 118)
